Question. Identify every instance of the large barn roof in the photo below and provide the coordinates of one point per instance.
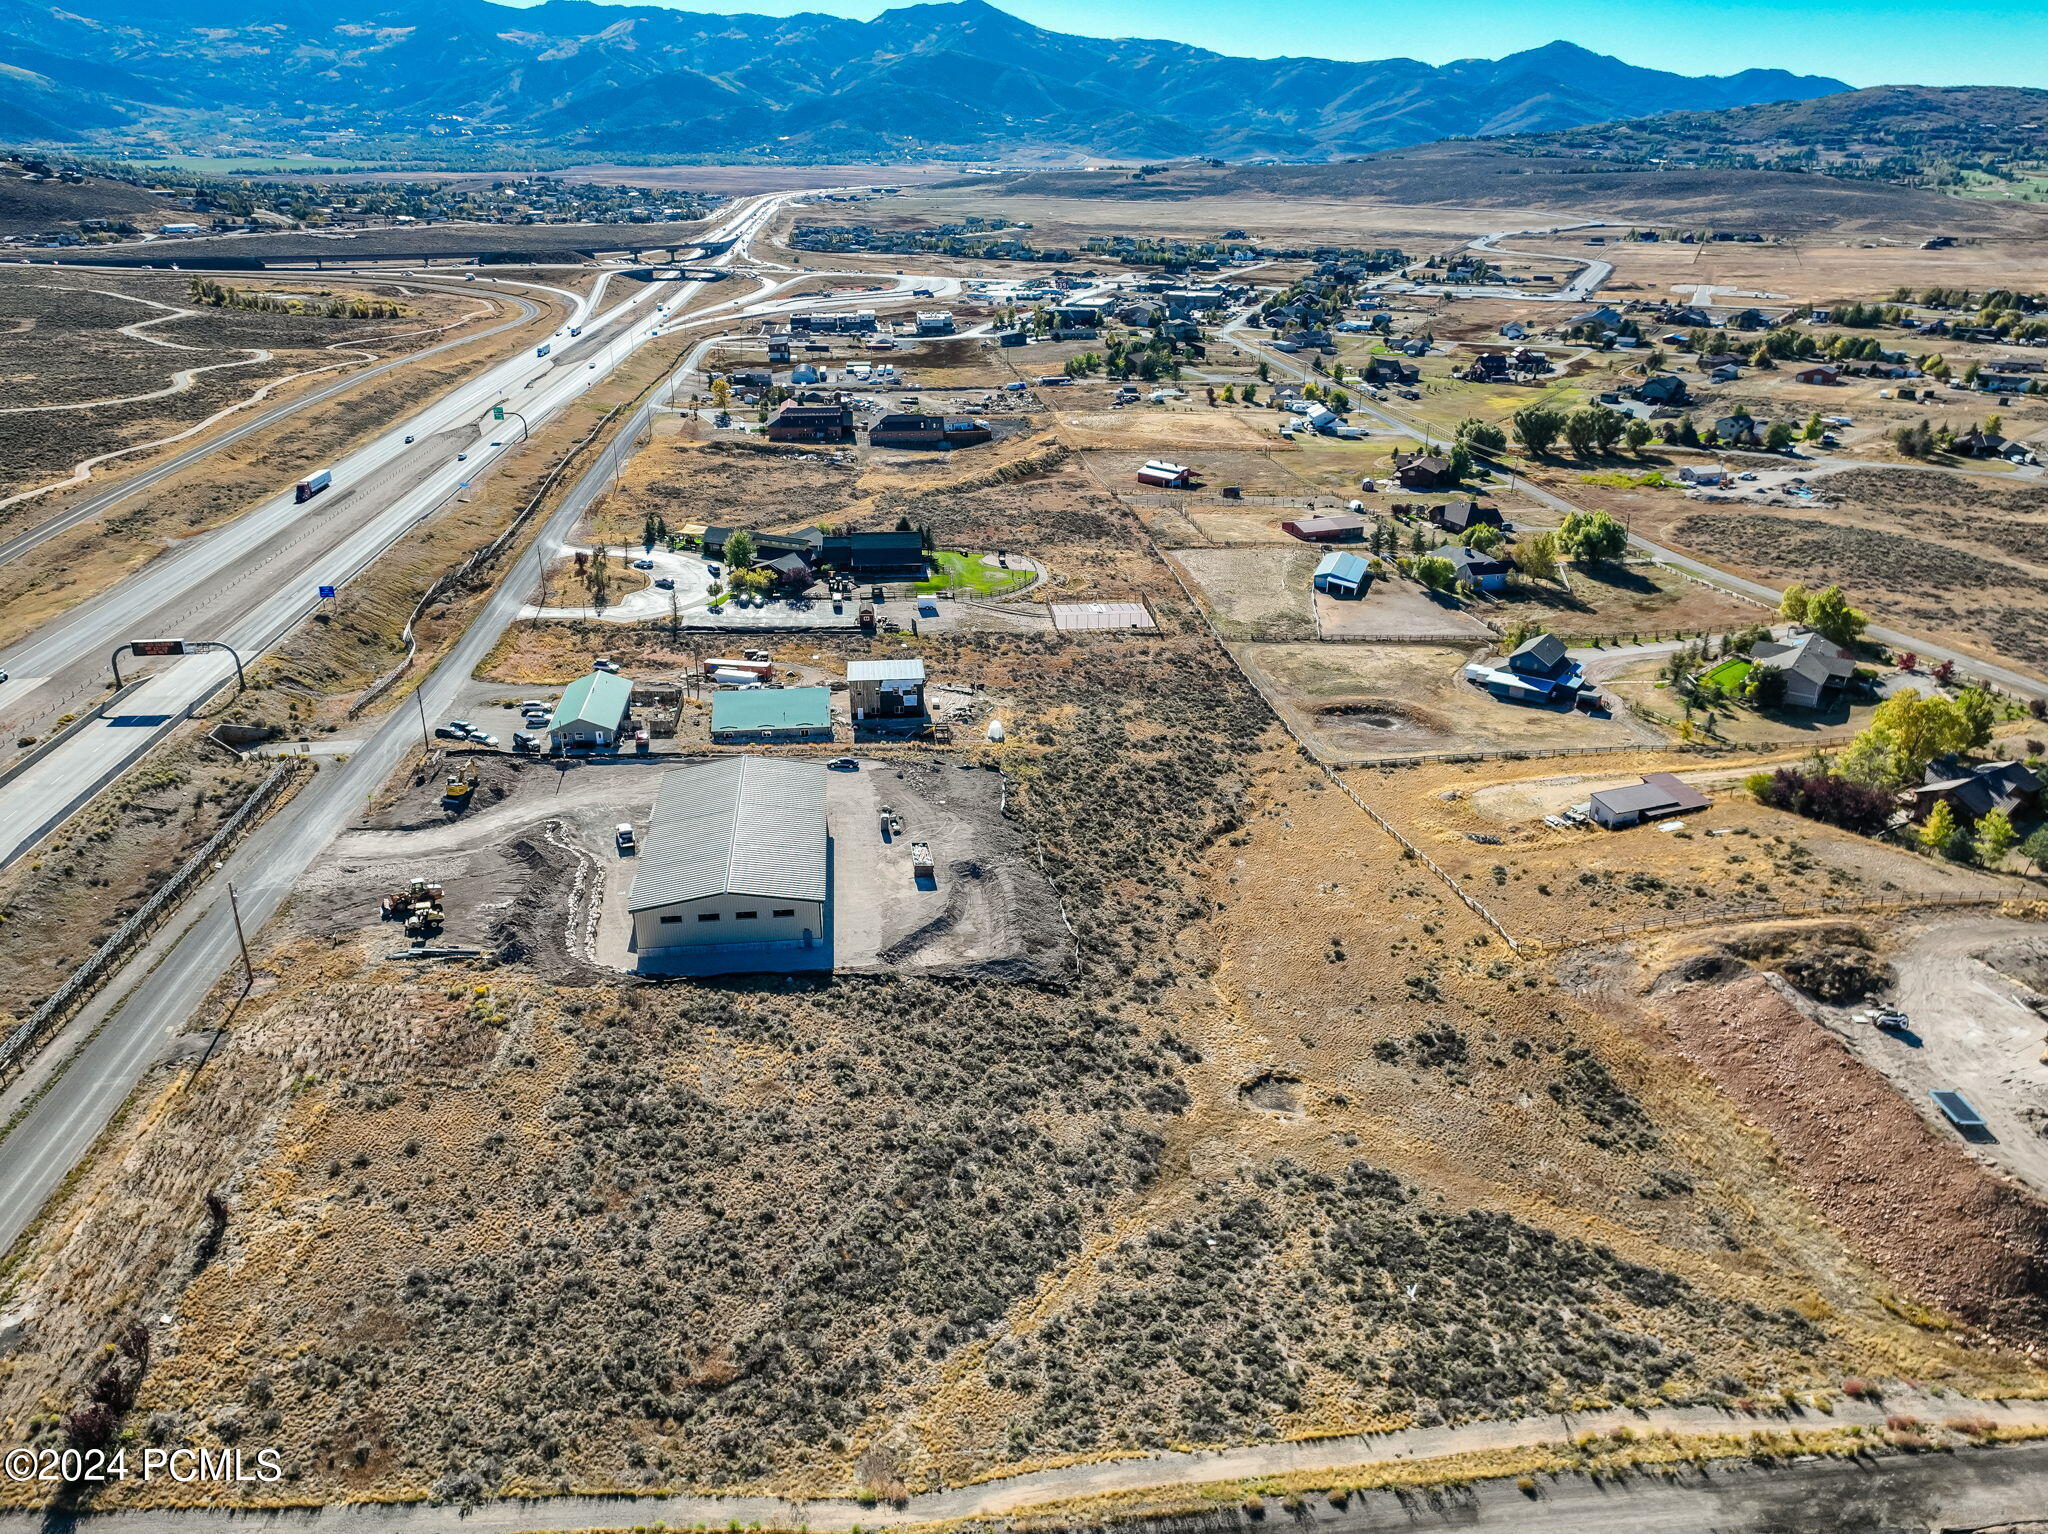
(747, 825)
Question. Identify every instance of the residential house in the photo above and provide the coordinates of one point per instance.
(1459, 516)
(1692, 476)
(1974, 790)
(1390, 370)
(1343, 575)
(1813, 666)
(1423, 471)
(1543, 656)
(1727, 372)
(792, 572)
(1487, 367)
(1657, 797)
(1739, 431)
(1604, 317)
(812, 423)
(1469, 567)
(1662, 389)
(1508, 687)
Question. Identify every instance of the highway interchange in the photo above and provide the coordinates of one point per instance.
(253, 580)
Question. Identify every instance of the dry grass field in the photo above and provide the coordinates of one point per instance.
(1355, 701)
(1291, 1142)
(1621, 601)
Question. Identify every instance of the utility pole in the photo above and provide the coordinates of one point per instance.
(426, 740)
(235, 909)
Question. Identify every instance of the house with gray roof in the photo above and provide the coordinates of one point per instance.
(1812, 666)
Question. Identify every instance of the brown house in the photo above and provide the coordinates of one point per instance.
(1423, 471)
(812, 423)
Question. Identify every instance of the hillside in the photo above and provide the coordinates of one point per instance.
(959, 79)
(1473, 175)
(31, 201)
(1911, 134)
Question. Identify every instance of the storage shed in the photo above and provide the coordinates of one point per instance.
(1343, 575)
(736, 852)
(770, 715)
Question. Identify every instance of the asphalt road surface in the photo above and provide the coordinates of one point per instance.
(249, 582)
(145, 1005)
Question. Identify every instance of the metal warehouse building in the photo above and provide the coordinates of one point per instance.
(736, 852)
(771, 715)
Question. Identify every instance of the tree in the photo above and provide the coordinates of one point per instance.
(1906, 733)
(1591, 536)
(1778, 436)
(1792, 605)
(1637, 434)
(739, 550)
(721, 393)
(1995, 838)
(1435, 572)
(2035, 849)
(1979, 713)
(1829, 614)
(1250, 393)
(1536, 428)
(1536, 556)
(1482, 436)
(1483, 536)
(1813, 430)
(1938, 831)
(1907, 660)
(1460, 459)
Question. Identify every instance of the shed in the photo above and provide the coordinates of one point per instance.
(592, 709)
(1338, 527)
(1343, 575)
(771, 715)
(736, 851)
(1657, 796)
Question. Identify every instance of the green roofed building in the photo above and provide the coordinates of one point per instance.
(592, 712)
(770, 715)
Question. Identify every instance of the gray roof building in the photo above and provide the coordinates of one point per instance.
(747, 825)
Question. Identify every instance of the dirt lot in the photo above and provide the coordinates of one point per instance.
(532, 871)
(1380, 700)
(1623, 601)
(1256, 593)
(1735, 855)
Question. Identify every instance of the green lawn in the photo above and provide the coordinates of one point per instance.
(966, 572)
(1728, 675)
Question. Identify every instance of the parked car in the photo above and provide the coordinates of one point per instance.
(843, 764)
(624, 837)
(643, 564)
(521, 741)
(663, 583)
(449, 732)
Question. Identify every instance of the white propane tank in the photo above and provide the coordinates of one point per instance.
(995, 729)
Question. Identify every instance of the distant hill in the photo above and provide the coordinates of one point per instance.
(1936, 136)
(1510, 174)
(961, 78)
(30, 201)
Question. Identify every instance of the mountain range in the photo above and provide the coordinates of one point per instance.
(960, 79)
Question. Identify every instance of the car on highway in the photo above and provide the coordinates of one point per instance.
(3, 676)
(408, 439)
(462, 457)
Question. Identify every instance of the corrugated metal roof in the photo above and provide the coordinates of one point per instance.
(772, 708)
(907, 668)
(599, 699)
(748, 825)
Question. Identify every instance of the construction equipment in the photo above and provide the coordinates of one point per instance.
(937, 732)
(460, 786)
(418, 906)
(921, 862)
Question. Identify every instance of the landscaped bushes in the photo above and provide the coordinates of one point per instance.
(1824, 797)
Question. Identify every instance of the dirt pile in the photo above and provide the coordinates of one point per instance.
(1914, 1203)
(1830, 962)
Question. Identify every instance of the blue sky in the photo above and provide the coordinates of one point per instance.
(1866, 42)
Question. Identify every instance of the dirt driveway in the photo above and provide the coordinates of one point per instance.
(1974, 1029)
